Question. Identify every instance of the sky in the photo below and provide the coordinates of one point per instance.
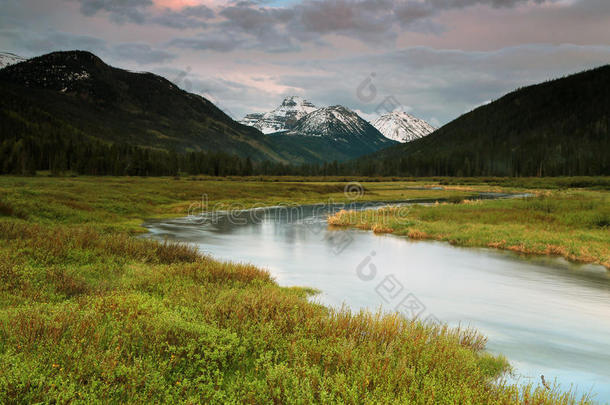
(435, 59)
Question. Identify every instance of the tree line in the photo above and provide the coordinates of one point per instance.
(27, 155)
(58, 155)
(50, 145)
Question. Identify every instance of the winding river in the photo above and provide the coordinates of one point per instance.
(547, 316)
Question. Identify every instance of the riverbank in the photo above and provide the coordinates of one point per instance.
(91, 313)
(573, 224)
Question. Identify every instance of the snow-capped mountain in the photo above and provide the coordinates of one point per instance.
(402, 127)
(252, 119)
(341, 124)
(282, 118)
(334, 131)
(8, 59)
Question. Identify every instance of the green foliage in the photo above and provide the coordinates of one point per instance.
(94, 317)
(89, 313)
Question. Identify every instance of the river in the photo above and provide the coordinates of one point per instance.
(547, 316)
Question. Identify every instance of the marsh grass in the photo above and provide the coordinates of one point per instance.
(90, 313)
(571, 224)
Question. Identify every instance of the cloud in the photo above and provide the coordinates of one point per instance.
(33, 44)
(283, 28)
(218, 43)
(440, 84)
(144, 12)
(441, 57)
(449, 4)
(141, 54)
(120, 10)
(188, 17)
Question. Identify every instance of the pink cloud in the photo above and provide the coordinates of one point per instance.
(180, 4)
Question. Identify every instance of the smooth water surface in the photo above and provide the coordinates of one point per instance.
(547, 316)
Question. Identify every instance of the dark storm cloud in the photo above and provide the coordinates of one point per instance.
(244, 26)
(258, 28)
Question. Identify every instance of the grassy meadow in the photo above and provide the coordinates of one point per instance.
(91, 313)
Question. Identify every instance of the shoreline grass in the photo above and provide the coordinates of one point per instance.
(574, 225)
(90, 313)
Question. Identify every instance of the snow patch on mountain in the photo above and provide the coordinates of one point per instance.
(282, 118)
(326, 121)
(402, 127)
(8, 59)
(340, 124)
(252, 119)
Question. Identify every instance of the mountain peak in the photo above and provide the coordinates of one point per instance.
(9, 59)
(295, 101)
(402, 127)
(339, 124)
(66, 71)
(72, 60)
(283, 118)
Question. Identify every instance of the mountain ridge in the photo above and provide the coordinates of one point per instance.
(80, 91)
(560, 127)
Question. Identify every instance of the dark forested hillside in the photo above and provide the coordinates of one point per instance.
(79, 90)
(71, 105)
(560, 127)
